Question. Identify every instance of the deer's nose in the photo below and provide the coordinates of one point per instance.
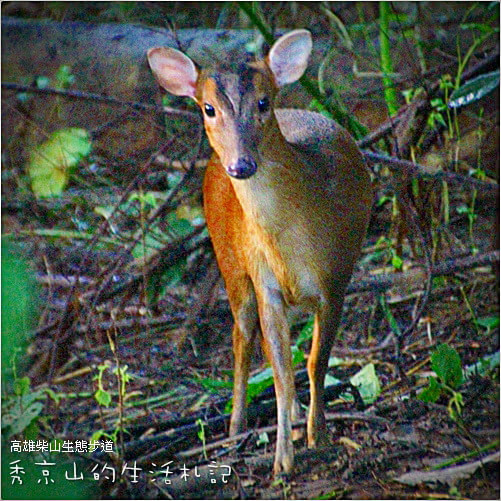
(244, 168)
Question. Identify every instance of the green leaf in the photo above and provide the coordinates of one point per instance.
(367, 383)
(20, 298)
(214, 385)
(336, 362)
(397, 262)
(147, 198)
(103, 397)
(259, 382)
(437, 103)
(306, 332)
(18, 417)
(31, 397)
(297, 356)
(488, 322)
(154, 240)
(64, 77)
(332, 381)
(174, 274)
(263, 439)
(98, 434)
(179, 226)
(446, 363)
(446, 82)
(22, 386)
(436, 116)
(389, 316)
(42, 82)
(32, 430)
(474, 89)
(264, 379)
(52, 162)
(432, 392)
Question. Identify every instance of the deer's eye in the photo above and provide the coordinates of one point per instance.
(263, 105)
(209, 110)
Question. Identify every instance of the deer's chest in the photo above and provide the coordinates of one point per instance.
(279, 239)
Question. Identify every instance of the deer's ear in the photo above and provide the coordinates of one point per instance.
(175, 72)
(289, 55)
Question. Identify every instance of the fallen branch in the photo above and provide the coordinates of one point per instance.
(329, 416)
(448, 476)
(416, 276)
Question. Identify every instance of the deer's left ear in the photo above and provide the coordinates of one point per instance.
(288, 58)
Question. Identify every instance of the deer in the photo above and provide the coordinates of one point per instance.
(287, 200)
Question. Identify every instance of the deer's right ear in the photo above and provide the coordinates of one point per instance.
(175, 72)
(289, 55)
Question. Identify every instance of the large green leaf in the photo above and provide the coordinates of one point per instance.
(18, 417)
(306, 332)
(446, 363)
(52, 162)
(474, 89)
(367, 383)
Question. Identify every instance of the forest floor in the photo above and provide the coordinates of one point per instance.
(170, 415)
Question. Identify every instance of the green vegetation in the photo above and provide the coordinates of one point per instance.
(390, 93)
(446, 364)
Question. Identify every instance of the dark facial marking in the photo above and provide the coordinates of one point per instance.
(246, 78)
(218, 78)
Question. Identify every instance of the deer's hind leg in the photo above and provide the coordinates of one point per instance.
(324, 333)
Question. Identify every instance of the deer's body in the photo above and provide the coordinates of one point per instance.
(287, 200)
(297, 220)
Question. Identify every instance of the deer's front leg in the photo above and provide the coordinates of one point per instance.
(276, 344)
(246, 324)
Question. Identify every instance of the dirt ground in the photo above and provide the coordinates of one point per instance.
(371, 446)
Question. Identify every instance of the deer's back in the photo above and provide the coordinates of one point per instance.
(307, 128)
(332, 156)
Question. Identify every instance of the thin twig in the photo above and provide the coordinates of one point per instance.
(91, 96)
(417, 170)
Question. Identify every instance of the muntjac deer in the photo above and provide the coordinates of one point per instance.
(287, 201)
